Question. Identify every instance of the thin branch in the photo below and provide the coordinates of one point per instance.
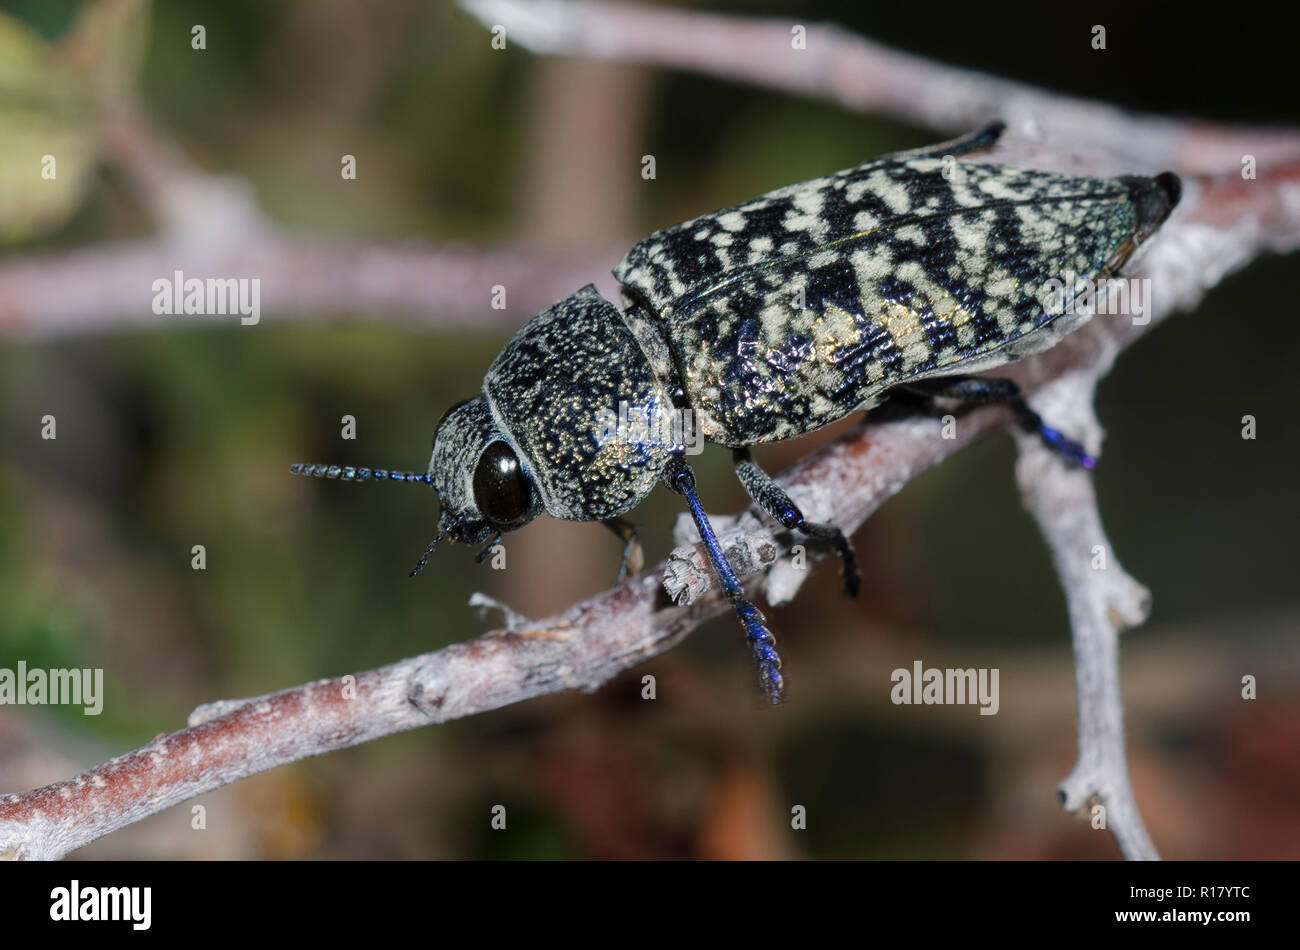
(1102, 600)
(834, 64)
(209, 226)
(109, 289)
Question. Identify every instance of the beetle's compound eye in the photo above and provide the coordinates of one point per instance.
(501, 488)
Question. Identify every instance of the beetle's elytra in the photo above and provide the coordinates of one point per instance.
(769, 320)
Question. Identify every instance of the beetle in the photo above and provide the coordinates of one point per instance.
(771, 319)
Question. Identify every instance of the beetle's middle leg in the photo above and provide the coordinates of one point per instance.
(975, 390)
(772, 498)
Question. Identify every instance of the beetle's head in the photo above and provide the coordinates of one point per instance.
(483, 484)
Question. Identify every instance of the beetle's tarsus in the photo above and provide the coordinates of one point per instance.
(1067, 449)
(766, 657)
(977, 391)
(778, 505)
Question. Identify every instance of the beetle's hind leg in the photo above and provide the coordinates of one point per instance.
(975, 390)
(633, 556)
(772, 498)
(679, 477)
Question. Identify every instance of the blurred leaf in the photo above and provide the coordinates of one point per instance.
(107, 43)
(50, 97)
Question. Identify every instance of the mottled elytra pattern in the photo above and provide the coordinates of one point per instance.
(801, 306)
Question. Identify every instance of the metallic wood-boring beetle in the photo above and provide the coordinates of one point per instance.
(769, 320)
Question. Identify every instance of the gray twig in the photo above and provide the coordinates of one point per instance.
(832, 63)
(106, 289)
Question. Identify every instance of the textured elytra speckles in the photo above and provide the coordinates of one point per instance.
(792, 310)
(778, 316)
(551, 389)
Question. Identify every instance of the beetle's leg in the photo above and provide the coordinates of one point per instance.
(633, 556)
(772, 498)
(482, 555)
(976, 390)
(679, 477)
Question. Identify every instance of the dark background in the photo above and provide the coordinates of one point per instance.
(174, 437)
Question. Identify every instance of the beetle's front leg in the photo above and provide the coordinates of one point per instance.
(772, 498)
(975, 390)
(633, 556)
(679, 477)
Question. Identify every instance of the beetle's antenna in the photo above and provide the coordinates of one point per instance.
(349, 474)
(428, 552)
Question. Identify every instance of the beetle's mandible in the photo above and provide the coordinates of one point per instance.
(769, 320)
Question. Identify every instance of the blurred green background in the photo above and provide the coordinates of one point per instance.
(183, 435)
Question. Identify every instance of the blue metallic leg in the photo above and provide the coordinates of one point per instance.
(773, 499)
(975, 390)
(1068, 449)
(679, 477)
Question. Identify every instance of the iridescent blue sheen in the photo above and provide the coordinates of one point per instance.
(760, 639)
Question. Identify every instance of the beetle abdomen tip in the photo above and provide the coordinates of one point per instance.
(1153, 199)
